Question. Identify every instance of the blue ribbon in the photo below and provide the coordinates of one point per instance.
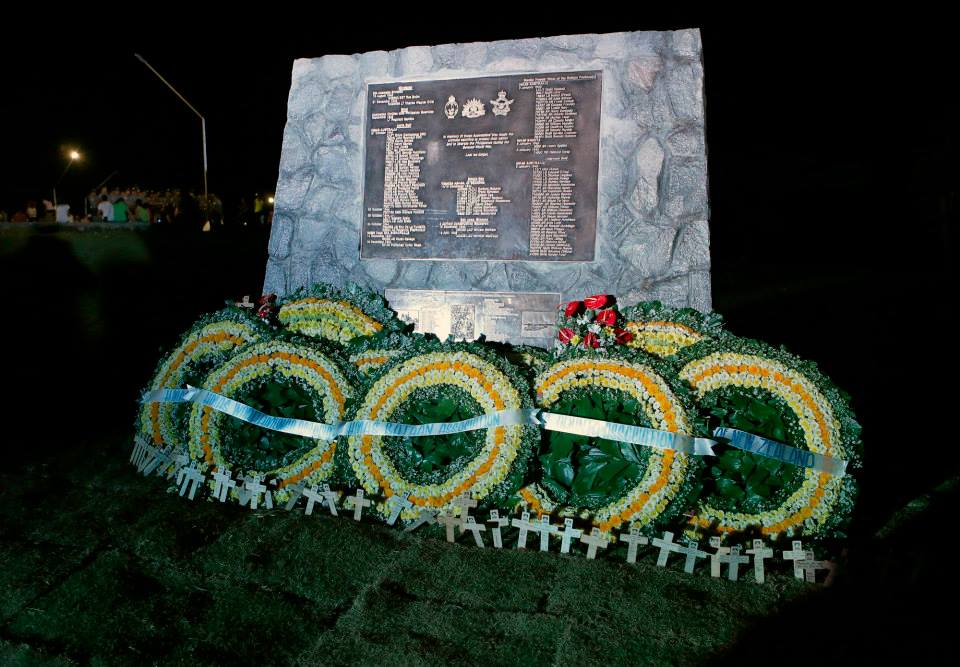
(772, 449)
(320, 431)
(639, 435)
(525, 417)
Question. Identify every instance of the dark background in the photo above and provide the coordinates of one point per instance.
(833, 189)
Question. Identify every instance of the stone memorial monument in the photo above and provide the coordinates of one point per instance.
(480, 185)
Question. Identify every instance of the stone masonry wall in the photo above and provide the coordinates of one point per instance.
(652, 230)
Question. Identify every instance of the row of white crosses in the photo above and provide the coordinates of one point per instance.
(250, 488)
(804, 563)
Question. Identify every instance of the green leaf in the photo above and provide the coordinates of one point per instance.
(610, 473)
(586, 476)
(761, 412)
(770, 465)
(608, 447)
(775, 479)
(561, 446)
(729, 489)
(757, 478)
(563, 472)
(629, 452)
(730, 461)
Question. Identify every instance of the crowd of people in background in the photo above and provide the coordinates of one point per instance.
(151, 206)
(154, 207)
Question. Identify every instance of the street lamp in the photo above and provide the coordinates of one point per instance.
(74, 155)
(203, 129)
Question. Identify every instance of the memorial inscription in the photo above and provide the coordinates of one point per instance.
(522, 318)
(494, 168)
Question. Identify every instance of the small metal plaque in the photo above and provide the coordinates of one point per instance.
(521, 318)
(489, 168)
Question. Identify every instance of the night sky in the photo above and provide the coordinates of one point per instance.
(789, 106)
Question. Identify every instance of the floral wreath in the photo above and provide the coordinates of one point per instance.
(616, 482)
(664, 331)
(290, 376)
(431, 382)
(750, 386)
(208, 343)
(368, 354)
(598, 374)
(336, 314)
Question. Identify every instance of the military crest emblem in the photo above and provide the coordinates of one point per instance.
(473, 108)
(501, 105)
(451, 107)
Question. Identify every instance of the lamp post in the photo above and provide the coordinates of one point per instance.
(203, 129)
(74, 155)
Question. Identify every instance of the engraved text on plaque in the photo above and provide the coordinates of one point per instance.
(500, 167)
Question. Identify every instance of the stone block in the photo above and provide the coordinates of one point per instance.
(415, 61)
(275, 281)
(686, 43)
(653, 237)
(649, 163)
(292, 188)
(280, 237)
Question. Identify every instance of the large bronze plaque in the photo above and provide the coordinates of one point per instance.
(488, 168)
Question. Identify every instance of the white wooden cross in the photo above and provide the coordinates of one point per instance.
(331, 499)
(715, 563)
(734, 560)
(809, 565)
(759, 552)
(192, 478)
(593, 540)
(692, 553)
(398, 504)
(313, 496)
(268, 496)
(545, 528)
(246, 303)
(666, 545)
(465, 503)
(253, 487)
(243, 493)
(296, 493)
(567, 534)
(424, 517)
(160, 460)
(179, 461)
(223, 483)
(147, 452)
(471, 525)
(450, 522)
(633, 538)
(498, 523)
(139, 447)
(180, 475)
(796, 555)
(358, 502)
(524, 524)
